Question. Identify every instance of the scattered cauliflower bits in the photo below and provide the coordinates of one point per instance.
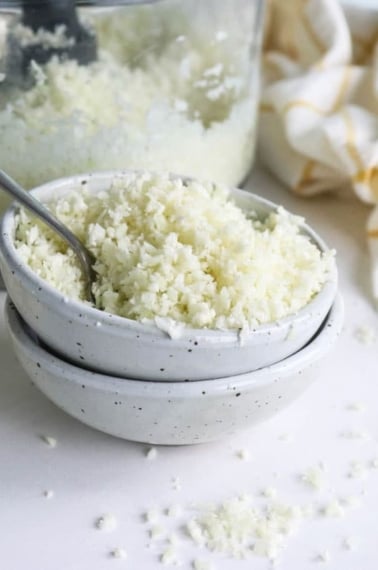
(243, 527)
(239, 528)
(179, 250)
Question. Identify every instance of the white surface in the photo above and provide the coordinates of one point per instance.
(92, 474)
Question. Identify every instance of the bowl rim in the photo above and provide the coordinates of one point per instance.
(28, 342)
(64, 306)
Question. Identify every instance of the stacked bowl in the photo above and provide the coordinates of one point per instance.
(143, 383)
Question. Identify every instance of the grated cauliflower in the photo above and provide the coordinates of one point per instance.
(178, 250)
(167, 93)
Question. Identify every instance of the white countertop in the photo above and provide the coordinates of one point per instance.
(91, 473)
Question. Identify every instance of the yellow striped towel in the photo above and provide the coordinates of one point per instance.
(319, 108)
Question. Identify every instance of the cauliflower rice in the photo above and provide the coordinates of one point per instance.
(179, 250)
(170, 90)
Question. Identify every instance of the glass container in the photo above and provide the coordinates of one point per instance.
(172, 85)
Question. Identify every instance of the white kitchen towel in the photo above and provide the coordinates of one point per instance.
(319, 109)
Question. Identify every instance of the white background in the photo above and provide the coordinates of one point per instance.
(91, 473)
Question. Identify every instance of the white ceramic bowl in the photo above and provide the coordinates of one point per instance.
(177, 412)
(127, 348)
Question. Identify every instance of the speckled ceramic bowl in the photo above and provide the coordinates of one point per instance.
(177, 412)
(127, 348)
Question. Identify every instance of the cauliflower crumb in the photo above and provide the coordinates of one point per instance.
(173, 539)
(357, 470)
(324, 556)
(48, 494)
(50, 441)
(194, 530)
(151, 516)
(118, 553)
(179, 250)
(157, 531)
(174, 511)
(171, 327)
(151, 453)
(176, 484)
(269, 492)
(350, 543)
(169, 556)
(350, 501)
(56, 39)
(243, 454)
(106, 522)
(333, 509)
(314, 477)
(366, 335)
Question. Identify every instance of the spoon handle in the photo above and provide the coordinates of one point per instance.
(50, 14)
(27, 200)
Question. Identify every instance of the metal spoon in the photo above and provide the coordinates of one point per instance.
(84, 256)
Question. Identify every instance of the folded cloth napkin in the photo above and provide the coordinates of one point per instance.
(319, 110)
